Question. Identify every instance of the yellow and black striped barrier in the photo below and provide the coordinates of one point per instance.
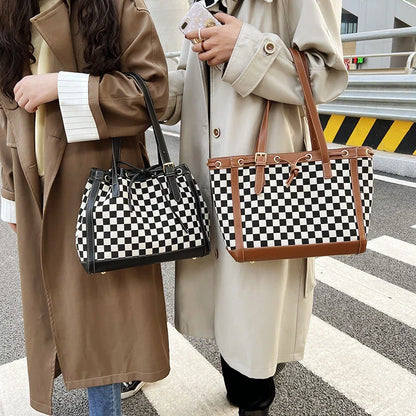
(389, 135)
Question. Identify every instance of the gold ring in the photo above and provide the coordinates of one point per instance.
(202, 46)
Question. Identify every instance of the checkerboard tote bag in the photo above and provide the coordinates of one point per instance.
(131, 216)
(289, 205)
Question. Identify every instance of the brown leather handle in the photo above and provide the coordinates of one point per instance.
(315, 127)
(262, 139)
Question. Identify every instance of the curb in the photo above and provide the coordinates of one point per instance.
(395, 136)
(392, 163)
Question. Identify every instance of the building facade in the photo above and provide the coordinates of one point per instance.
(372, 15)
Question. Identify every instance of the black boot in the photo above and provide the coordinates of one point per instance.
(243, 412)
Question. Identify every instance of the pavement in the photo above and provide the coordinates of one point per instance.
(361, 352)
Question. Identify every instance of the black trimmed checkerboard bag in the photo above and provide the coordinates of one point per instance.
(304, 204)
(131, 217)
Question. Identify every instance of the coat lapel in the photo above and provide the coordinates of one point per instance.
(22, 124)
(54, 25)
(55, 28)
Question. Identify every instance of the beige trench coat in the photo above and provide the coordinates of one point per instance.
(97, 330)
(258, 313)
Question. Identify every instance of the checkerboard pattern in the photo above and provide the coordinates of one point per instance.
(312, 210)
(156, 225)
(223, 201)
(366, 180)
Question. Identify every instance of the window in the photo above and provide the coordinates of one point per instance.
(349, 22)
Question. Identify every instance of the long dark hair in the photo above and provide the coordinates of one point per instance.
(98, 25)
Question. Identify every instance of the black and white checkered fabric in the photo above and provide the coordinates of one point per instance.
(366, 180)
(156, 225)
(312, 210)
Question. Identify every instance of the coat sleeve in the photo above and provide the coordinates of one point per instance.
(261, 63)
(8, 207)
(113, 106)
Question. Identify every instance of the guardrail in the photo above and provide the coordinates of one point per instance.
(379, 34)
(384, 34)
(173, 55)
(388, 97)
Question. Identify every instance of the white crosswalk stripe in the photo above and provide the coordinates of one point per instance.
(390, 299)
(376, 384)
(394, 248)
(192, 378)
(395, 181)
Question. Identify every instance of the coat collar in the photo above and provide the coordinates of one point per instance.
(55, 28)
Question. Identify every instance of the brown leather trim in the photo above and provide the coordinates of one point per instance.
(262, 139)
(278, 158)
(261, 156)
(313, 118)
(238, 225)
(292, 252)
(260, 179)
(358, 205)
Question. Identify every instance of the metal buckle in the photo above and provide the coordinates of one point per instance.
(260, 154)
(168, 168)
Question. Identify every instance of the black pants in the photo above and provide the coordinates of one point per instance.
(247, 393)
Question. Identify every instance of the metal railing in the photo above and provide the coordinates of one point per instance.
(173, 55)
(384, 96)
(384, 34)
(379, 34)
(379, 93)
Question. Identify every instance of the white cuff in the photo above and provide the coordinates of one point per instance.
(78, 120)
(8, 210)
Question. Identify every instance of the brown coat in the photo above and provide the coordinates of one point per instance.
(97, 330)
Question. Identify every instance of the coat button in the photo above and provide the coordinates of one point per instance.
(269, 48)
(216, 133)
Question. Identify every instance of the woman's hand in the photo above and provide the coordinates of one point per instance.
(13, 227)
(218, 41)
(34, 90)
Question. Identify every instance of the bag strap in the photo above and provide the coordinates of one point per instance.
(160, 140)
(163, 153)
(315, 126)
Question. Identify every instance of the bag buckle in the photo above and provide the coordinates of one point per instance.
(259, 155)
(168, 168)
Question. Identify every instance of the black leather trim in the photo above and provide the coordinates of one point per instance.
(115, 188)
(98, 178)
(191, 184)
(162, 149)
(109, 265)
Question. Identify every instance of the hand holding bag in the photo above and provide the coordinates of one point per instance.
(289, 205)
(131, 217)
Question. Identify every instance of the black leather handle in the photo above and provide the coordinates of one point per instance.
(163, 153)
(160, 140)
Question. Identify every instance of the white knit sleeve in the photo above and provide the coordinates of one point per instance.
(78, 120)
(8, 210)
